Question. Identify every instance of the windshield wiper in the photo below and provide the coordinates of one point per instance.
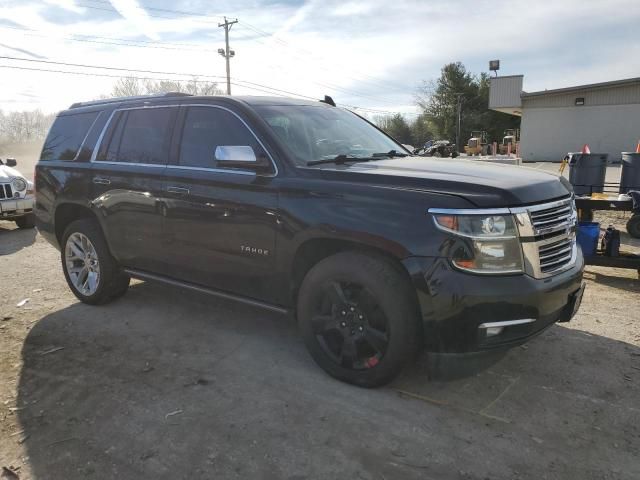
(340, 159)
(390, 154)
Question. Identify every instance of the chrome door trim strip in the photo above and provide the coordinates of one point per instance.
(84, 140)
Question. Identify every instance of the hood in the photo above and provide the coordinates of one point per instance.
(484, 184)
(8, 173)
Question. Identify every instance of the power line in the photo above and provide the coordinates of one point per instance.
(240, 83)
(117, 41)
(261, 32)
(327, 85)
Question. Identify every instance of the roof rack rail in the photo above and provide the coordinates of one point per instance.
(106, 101)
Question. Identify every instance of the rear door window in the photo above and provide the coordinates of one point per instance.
(66, 136)
(206, 128)
(140, 136)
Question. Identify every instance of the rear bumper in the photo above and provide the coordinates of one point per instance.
(457, 308)
(15, 208)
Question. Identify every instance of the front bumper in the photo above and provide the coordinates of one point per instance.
(15, 207)
(456, 307)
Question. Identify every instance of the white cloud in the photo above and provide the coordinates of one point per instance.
(136, 15)
(369, 53)
(352, 8)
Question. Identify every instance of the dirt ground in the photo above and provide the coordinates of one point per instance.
(166, 384)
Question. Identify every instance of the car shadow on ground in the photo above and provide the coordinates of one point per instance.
(615, 281)
(170, 384)
(13, 238)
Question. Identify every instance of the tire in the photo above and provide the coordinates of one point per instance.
(586, 215)
(28, 221)
(633, 226)
(358, 317)
(93, 257)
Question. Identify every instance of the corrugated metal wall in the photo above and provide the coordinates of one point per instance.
(504, 92)
(628, 94)
(547, 134)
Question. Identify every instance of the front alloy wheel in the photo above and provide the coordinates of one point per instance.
(350, 326)
(358, 317)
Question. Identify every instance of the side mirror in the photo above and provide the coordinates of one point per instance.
(10, 162)
(239, 156)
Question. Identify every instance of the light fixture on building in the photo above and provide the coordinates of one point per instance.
(579, 101)
(494, 66)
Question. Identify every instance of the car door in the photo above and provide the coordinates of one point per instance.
(128, 184)
(220, 224)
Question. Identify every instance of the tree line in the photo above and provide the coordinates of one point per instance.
(438, 102)
(27, 126)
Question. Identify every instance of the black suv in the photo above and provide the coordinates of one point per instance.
(303, 207)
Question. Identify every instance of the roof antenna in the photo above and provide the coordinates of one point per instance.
(328, 100)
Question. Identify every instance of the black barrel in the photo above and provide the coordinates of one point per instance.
(630, 177)
(587, 172)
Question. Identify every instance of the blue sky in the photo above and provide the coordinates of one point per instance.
(372, 54)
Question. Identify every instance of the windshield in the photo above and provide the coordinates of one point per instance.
(318, 132)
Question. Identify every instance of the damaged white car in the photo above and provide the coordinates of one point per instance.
(16, 195)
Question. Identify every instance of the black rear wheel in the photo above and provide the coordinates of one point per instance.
(358, 318)
(92, 274)
(633, 226)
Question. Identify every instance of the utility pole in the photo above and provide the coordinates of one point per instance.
(227, 53)
(459, 119)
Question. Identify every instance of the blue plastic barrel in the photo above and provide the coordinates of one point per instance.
(587, 237)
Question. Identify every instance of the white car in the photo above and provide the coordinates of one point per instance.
(16, 195)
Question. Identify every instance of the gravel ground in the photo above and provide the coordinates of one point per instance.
(166, 384)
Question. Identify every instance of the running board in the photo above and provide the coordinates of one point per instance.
(197, 288)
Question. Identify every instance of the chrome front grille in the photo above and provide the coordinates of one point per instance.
(5, 191)
(555, 255)
(550, 219)
(547, 233)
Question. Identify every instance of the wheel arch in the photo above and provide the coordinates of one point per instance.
(314, 250)
(66, 213)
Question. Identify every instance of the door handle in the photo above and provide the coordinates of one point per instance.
(178, 190)
(101, 181)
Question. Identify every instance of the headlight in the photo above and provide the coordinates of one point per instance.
(19, 184)
(488, 243)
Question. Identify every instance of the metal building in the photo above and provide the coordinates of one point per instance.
(606, 116)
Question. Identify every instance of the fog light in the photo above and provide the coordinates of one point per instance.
(493, 331)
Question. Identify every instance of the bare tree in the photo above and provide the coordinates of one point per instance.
(127, 87)
(131, 86)
(24, 126)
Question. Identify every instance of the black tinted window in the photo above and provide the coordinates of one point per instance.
(145, 136)
(205, 128)
(66, 136)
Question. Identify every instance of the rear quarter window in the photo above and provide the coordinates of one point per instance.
(66, 136)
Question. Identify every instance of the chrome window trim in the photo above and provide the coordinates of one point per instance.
(94, 154)
(86, 135)
(107, 162)
(216, 170)
(167, 165)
